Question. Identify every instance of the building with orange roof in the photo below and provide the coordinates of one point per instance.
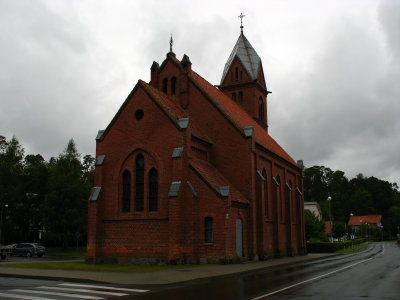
(187, 172)
(372, 221)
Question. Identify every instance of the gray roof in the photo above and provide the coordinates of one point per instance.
(246, 54)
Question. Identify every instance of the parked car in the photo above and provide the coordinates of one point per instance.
(8, 250)
(29, 249)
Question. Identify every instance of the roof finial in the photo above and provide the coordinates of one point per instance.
(171, 42)
(241, 21)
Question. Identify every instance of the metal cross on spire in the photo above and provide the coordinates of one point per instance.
(171, 42)
(241, 21)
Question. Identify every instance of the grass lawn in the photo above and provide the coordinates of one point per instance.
(71, 252)
(82, 266)
(80, 252)
(356, 248)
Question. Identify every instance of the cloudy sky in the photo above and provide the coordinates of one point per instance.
(333, 68)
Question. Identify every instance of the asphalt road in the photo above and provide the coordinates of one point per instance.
(374, 274)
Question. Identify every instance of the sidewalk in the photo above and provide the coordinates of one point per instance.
(159, 277)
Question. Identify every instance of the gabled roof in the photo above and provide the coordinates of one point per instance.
(216, 180)
(170, 107)
(239, 117)
(246, 54)
(167, 105)
(370, 219)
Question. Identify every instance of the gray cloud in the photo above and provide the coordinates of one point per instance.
(346, 114)
(333, 67)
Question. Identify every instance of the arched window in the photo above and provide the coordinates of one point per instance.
(291, 202)
(126, 191)
(240, 100)
(139, 183)
(278, 196)
(153, 190)
(208, 230)
(234, 97)
(165, 85)
(173, 85)
(261, 110)
(264, 174)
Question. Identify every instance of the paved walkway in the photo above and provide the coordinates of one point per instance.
(159, 277)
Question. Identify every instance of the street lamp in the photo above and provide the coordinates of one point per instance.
(1, 219)
(352, 231)
(330, 217)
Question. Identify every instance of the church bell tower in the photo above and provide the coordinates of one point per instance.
(243, 79)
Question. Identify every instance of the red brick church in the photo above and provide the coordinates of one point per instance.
(187, 172)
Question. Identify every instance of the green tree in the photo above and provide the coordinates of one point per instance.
(35, 176)
(339, 229)
(88, 169)
(11, 188)
(66, 202)
(315, 228)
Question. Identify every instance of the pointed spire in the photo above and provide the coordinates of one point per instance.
(247, 56)
(241, 21)
(171, 42)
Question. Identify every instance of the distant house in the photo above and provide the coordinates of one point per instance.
(328, 228)
(372, 221)
(314, 208)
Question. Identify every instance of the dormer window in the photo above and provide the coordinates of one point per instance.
(165, 85)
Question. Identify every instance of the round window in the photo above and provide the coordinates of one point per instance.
(139, 114)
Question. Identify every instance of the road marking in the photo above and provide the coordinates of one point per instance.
(14, 296)
(56, 294)
(82, 291)
(104, 287)
(311, 279)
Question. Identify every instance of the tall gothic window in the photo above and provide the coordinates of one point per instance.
(234, 97)
(264, 174)
(165, 85)
(153, 190)
(126, 191)
(139, 183)
(261, 110)
(292, 202)
(240, 100)
(208, 230)
(173, 85)
(278, 197)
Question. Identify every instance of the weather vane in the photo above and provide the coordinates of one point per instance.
(241, 21)
(171, 42)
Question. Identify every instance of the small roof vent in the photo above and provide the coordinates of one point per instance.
(99, 135)
(100, 160)
(94, 195)
(183, 123)
(223, 190)
(174, 189)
